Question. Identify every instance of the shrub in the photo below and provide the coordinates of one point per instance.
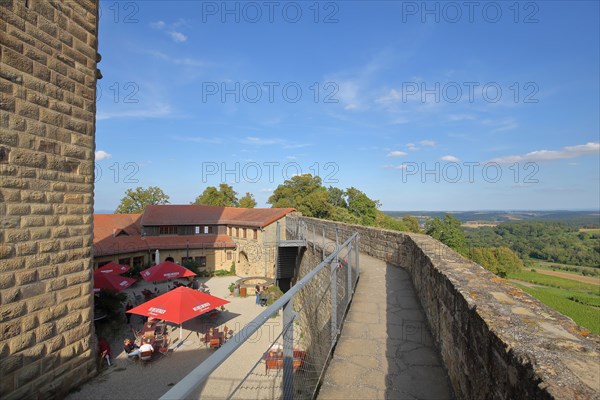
(110, 302)
(232, 270)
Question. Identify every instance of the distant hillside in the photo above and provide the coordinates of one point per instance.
(582, 219)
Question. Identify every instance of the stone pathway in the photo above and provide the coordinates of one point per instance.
(385, 350)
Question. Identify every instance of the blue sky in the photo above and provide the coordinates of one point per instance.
(423, 106)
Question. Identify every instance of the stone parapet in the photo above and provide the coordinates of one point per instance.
(496, 341)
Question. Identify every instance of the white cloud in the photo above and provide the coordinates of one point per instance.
(177, 36)
(158, 24)
(199, 139)
(450, 158)
(158, 111)
(266, 190)
(428, 143)
(391, 97)
(273, 141)
(412, 147)
(186, 61)
(396, 153)
(399, 166)
(102, 155)
(591, 148)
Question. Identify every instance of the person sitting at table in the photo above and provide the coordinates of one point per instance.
(131, 348)
(147, 346)
(105, 351)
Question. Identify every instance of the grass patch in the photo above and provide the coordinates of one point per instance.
(585, 315)
(556, 282)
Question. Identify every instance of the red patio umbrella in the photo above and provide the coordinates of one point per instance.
(113, 268)
(113, 282)
(179, 305)
(165, 270)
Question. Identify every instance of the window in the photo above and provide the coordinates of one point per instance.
(197, 230)
(229, 231)
(138, 261)
(228, 256)
(186, 260)
(237, 232)
(244, 233)
(125, 261)
(255, 234)
(102, 263)
(201, 261)
(167, 230)
(206, 229)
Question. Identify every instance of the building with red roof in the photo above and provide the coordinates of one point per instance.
(212, 237)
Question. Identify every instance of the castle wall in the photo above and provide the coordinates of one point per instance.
(48, 52)
(496, 341)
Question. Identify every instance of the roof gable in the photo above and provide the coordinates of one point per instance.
(156, 215)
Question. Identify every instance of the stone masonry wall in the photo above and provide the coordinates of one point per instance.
(48, 53)
(497, 342)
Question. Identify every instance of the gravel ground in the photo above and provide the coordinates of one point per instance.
(129, 379)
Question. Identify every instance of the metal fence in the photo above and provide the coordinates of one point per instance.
(292, 362)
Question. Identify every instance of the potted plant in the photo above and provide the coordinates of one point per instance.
(231, 288)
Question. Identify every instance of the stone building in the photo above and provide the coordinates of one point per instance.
(48, 56)
(212, 237)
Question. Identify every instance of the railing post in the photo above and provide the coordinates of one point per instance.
(323, 248)
(356, 255)
(334, 266)
(288, 350)
(314, 237)
(337, 241)
(349, 268)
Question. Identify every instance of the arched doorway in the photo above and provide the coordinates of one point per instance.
(243, 267)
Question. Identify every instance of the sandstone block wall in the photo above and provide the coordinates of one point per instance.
(48, 51)
(497, 342)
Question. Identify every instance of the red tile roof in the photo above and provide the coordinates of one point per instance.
(210, 215)
(107, 240)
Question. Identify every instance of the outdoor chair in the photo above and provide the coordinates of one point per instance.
(163, 348)
(206, 339)
(146, 356)
(104, 356)
(137, 334)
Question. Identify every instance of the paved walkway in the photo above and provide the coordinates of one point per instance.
(385, 350)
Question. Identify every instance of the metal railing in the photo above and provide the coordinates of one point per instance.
(289, 365)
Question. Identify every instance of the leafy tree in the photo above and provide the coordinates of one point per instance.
(136, 200)
(383, 220)
(499, 260)
(336, 197)
(304, 193)
(542, 240)
(248, 201)
(411, 223)
(362, 206)
(225, 196)
(342, 214)
(447, 231)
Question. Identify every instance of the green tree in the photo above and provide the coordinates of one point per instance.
(362, 206)
(411, 223)
(225, 196)
(248, 201)
(448, 231)
(336, 197)
(304, 193)
(342, 214)
(499, 260)
(136, 200)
